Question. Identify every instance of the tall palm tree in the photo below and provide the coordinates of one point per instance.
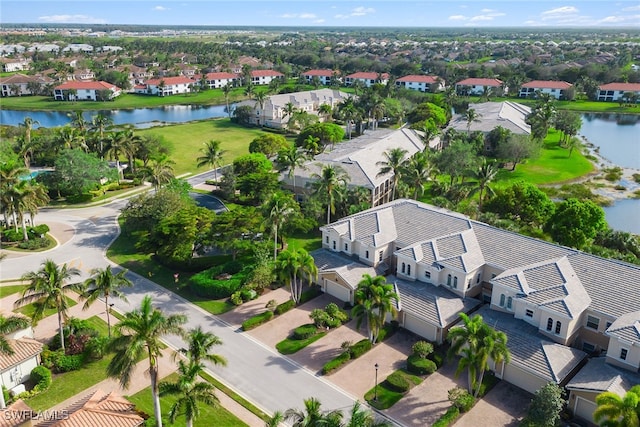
(190, 391)
(374, 299)
(275, 419)
(312, 415)
(292, 266)
(417, 172)
(199, 347)
(101, 123)
(288, 110)
(361, 417)
(10, 176)
(395, 160)
(48, 287)
(290, 159)
(477, 342)
(615, 410)
(325, 111)
(24, 149)
(328, 183)
(8, 325)
(211, 155)
(471, 116)
(278, 207)
(483, 175)
(261, 98)
(28, 123)
(26, 197)
(226, 91)
(161, 171)
(104, 283)
(140, 332)
(349, 112)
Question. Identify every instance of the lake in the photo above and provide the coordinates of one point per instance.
(139, 117)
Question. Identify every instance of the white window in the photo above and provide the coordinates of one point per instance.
(593, 322)
(558, 327)
(549, 324)
(327, 239)
(408, 269)
(404, 267)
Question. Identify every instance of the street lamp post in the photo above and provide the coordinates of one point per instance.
(375, 389)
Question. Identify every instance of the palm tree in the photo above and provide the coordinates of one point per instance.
(395, 160)
(417, 172)
(104, 283)
(288, 110)
(290, 159)
(374, 299)
(226, 91)
(325, 111)
(211, 155)
(8, 325)
(483, 175)
(139, 333)
(275, 419)
(26, 196)
(190, 391)
(28, 123)
(328, 183)
(161, 171)
(261, 98)
(292, 266)
(312, 415)
(49, 286)
(101, 123)
(349, 112)
(471, 116)
(477, 342)
(199, 346)
(24, 148)
(614, 410)
(360, 417)
(10, 177)
(249, 90)
(279, 207)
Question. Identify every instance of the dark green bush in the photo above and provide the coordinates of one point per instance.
(397, 381)
(335, 363)
(11, 235)
(448, 418)
(39, 229)
(232, 267)
(34, 243)
(461, 399)
(96, 347)
(69, 363)
(309, 294)
(41, 377)
(360, 348)
(79, 198)
(387, 331)
(285, 306)
(257, 320)
(248, 295)
(206, 285)
(438, 359)
(420, 366)
(305, 331)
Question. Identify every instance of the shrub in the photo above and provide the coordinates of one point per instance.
(248, 295)
(69, 363)
(96, 347)
(438, 359)
(33, 244)
(41, 377)
(335, 363)
(285, 306)
(11, 235)
(309, 294)
(387, 331)
(39, 230)
(334, 312)
(420, 366)
(397, 381)
(305, 331)
(257, 320)
(236, 298)
(206, 285)
(231, 267)
(448, 417)
(422, 349)
(320, 317)
(271, 305)
(7, 396)
(461, 399)
(360, 348)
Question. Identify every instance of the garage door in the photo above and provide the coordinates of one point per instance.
(522, 379)
(584, 409)
(340, 292)
(419, 327)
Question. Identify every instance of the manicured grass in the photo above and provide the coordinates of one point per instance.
(209, 415)
(386, 397)
(69, 384)
(123, 252)
(236, 397)
(100, 325)
(186, 140)
(290, 345)
(309, 241)
(29, 309)
(10, 290)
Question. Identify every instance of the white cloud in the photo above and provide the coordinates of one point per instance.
(299, 16)
(486, 10)
(67, 19)
(318, 21)
(458, 18)
(161, 8)
(341, 16)
(362, 11)
(626, 19)
(631, 8)
(481, 18)
(559, 12)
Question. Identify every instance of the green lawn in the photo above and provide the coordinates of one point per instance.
(100, 325)
(29, 309)
(10, 290)
(290, 345)
(186, 140)
(309, 241)
(386, 397)
(209, 415)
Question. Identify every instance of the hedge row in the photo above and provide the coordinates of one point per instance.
(257, 320)
(305, 331)
(420, 366)
(205, 284)
(448, 418)
(355, 351)
(285, 306)
(398, 382)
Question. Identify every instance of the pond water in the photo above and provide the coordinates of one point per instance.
(139, 117)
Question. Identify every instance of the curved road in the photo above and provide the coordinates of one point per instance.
(261, 375)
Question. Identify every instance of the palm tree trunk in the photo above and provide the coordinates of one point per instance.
(60, 330)
(275, 243)
(106, 306)
(328, 212)
(153, 373)
(189, 422)
(479, 384)
(25, 236)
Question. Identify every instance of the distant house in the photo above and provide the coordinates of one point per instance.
(83, 75)
(508, 115)
(264, 77)
(554, 88)
(165, 86)
(218, 80)
(10, 65)
(21, 84)
(477, 86)
(421, 83)
(325, 76)
(617, 91)
(101, 409)
(78, 47)
(86, 91)
(367, 78)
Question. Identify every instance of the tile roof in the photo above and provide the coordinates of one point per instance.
(368, 75)
(480, 82)
(418, 79)
(16, 415)
(220, 76)
(19, 78)
(323, 73)
(169, 81)
(104, 410)
(266, 73)
(507, 114)
(627, 328)
(598, 376)
(93, 85)
(625, 87)
(547, 84)
(23, 348)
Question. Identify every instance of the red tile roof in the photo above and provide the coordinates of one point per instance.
(170, 81)
(266, 73)
(418, 79)
(23, 349)
(104, 410)
(220, 76)
(323, 73)
(625, 87)
(547, 84)
(479, 82)
(87, 86)
(15, 415)
(19, 78)
(368, 75)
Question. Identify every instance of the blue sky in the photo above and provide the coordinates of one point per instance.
(341, 13)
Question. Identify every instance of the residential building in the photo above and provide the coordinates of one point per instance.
(16, 368)
(618, 91)
(553, 88)
(264, 77)
(273, 112)
(509, 115)
(78, 47)
(557, 305)
(218, 80)
(101, 409)
(21, 84)
(86, 91)
(421, 83)
(324, 76)
(359, 159)
(367, 78)
(10, 65)
(166, 86)
(478, 86)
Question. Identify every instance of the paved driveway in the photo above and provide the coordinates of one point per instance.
(505, 405)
